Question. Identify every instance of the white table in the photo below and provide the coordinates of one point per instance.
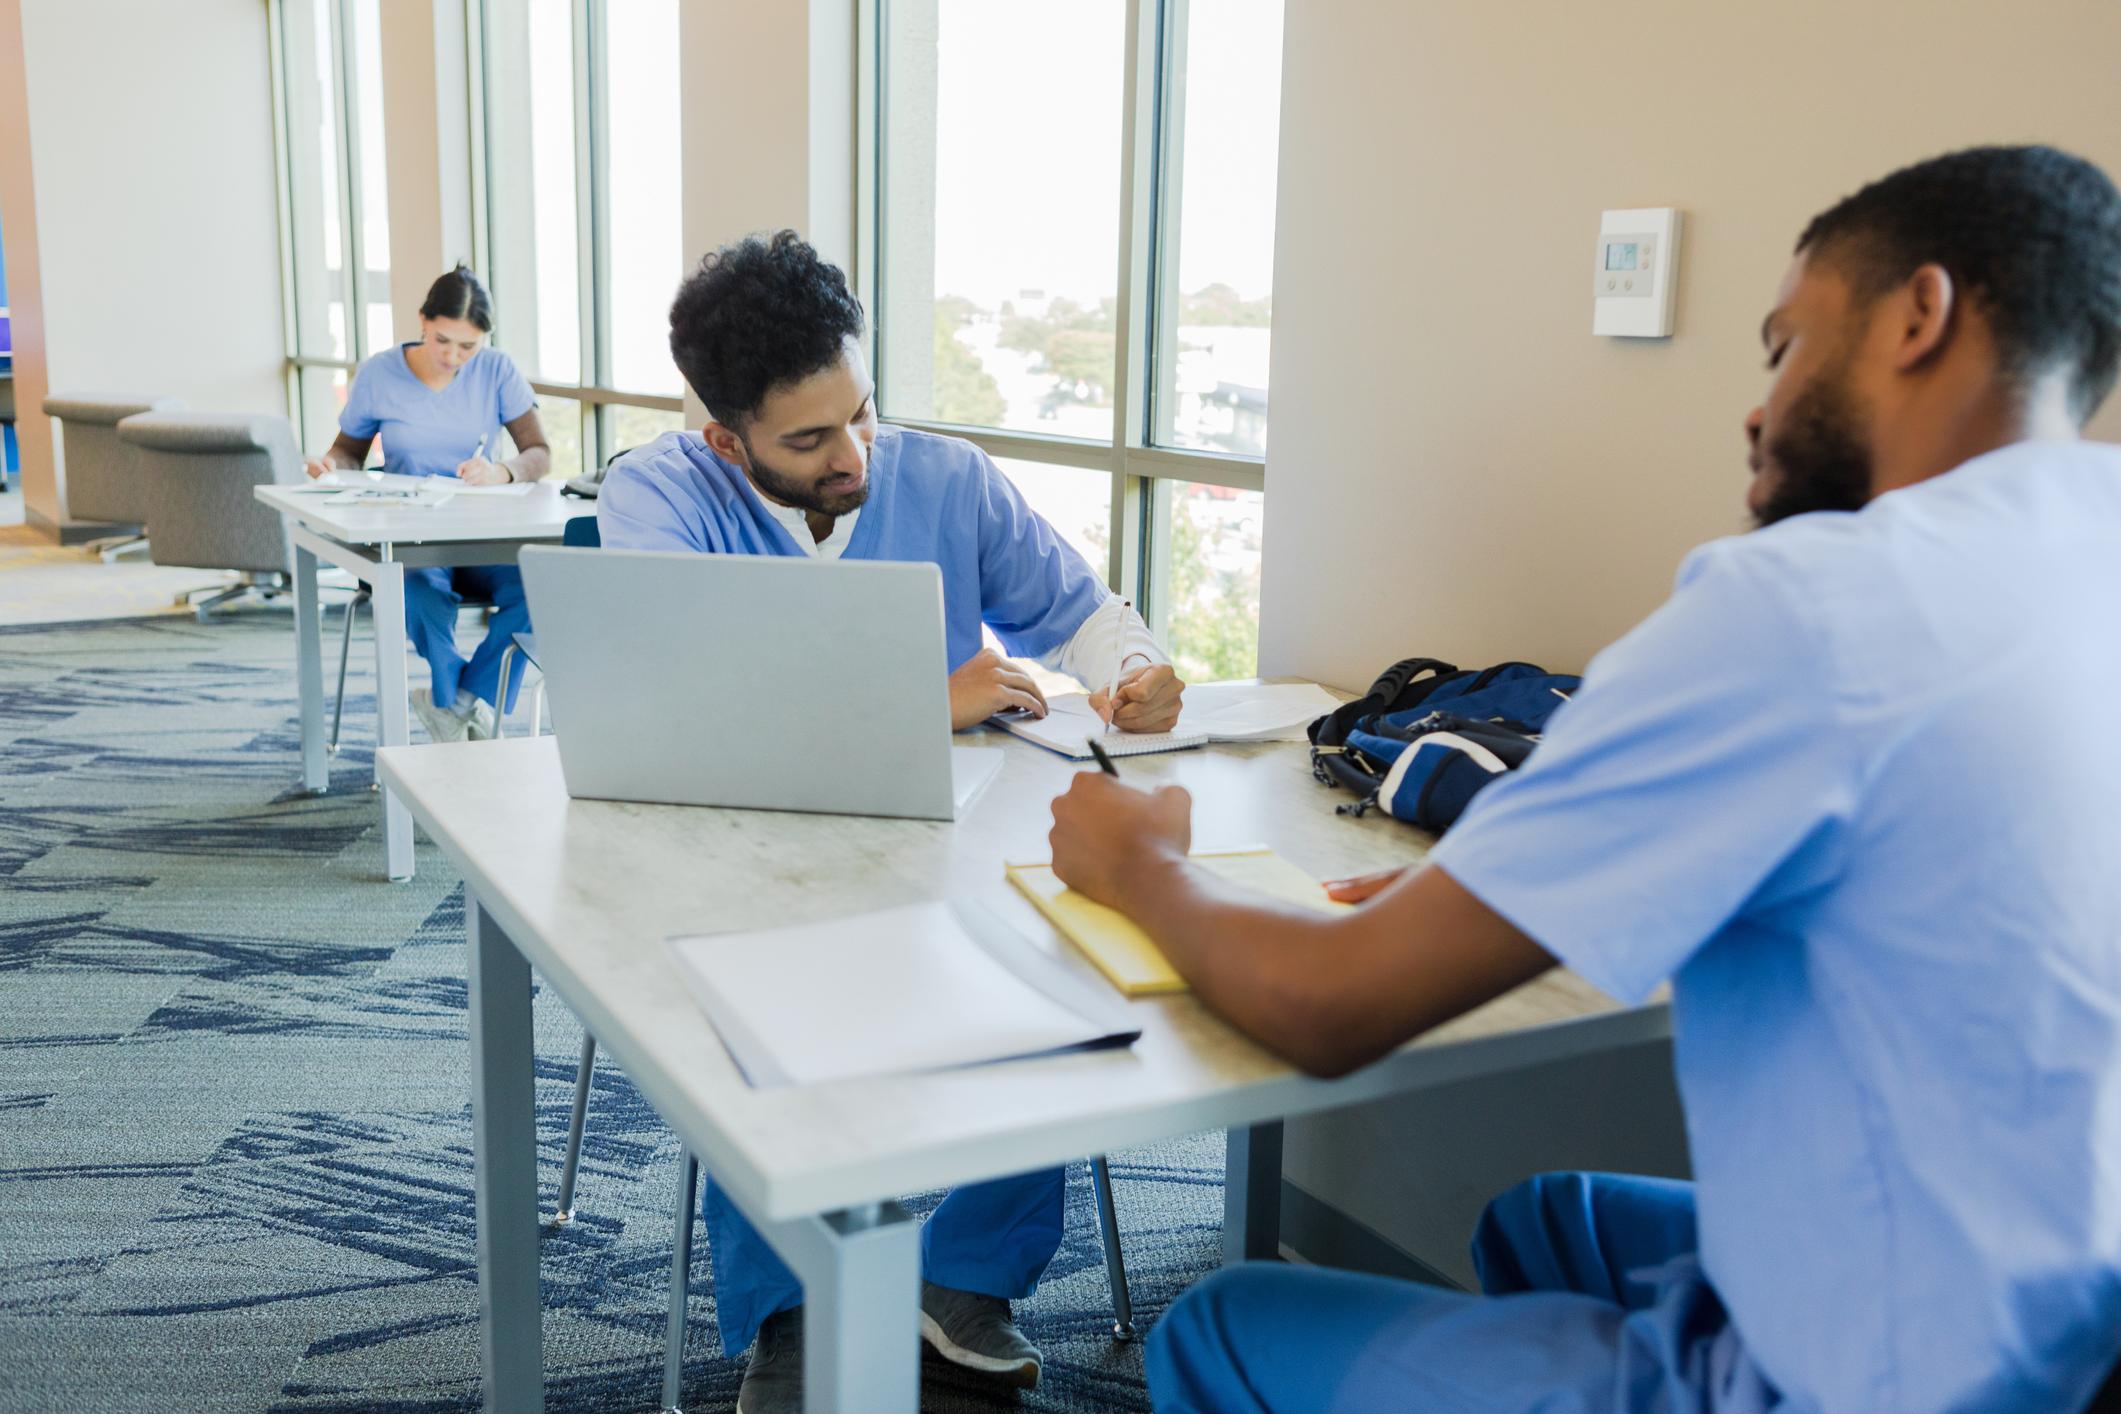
(586, 891)
(376, 544)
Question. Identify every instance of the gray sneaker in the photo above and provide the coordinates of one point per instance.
(978, 1333)
(480, 725)
(441, 723)
(773, 1381)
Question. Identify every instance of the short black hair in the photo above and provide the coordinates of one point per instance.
(758, 314)
(460, 295)
(2032, 233)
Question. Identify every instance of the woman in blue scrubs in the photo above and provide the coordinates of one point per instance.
(439, 405)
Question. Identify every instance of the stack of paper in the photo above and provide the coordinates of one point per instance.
(918, 988)
(1227, 711)
(1121, 950)
(445, 486)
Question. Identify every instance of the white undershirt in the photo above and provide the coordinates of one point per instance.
(1112, 632)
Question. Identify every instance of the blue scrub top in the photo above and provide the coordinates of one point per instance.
(1854, 789)
(429, 431)
(937, 500)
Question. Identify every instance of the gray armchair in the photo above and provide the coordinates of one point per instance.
(197, 470)
(101, 480)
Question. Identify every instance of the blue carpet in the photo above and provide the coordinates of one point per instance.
(235, 1170)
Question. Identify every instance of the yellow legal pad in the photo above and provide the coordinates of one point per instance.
(1123, 951)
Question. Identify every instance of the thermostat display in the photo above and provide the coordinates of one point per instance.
(1631, 285)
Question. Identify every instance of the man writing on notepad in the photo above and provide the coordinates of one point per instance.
(795, 463)
(1814, 792)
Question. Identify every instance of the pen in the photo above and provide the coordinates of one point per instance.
(480, 450)
(1119, 641)
(1104, 761)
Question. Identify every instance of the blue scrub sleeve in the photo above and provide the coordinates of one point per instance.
(636, 512)
(358, 418)
(514, 395)
(1701, 753)
(1035, 590)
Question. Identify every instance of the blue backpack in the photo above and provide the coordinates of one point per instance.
(1429, 735)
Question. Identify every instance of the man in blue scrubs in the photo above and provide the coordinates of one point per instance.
(1853, 791)
(794, 463)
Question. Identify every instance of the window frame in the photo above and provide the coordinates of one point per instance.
(1151, 178)
(353, 255)
(596, 394)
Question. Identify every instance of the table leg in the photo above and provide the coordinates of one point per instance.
(504, 1168)
(1252, 1193)
(861, 1273)
(309, 673)
(387, 606)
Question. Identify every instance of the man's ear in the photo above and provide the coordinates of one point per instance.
(726, 444)
(1929, 312)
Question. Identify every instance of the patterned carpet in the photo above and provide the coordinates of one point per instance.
(234, 1127)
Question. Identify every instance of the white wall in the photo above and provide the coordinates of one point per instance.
(1458, 466)
(149, 126)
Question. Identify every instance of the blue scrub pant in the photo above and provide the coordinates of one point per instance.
(994, 1238)
(1595, 1301)
(432, 596)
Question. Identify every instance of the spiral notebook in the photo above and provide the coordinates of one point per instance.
(1213, 712)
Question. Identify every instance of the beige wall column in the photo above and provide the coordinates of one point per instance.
(768, 113)
(427, 135)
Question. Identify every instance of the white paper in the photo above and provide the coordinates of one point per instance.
(906, 989)
(1231, 711)
(392, 481)
(1216, 711)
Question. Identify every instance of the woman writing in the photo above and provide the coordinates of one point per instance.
(439, 405)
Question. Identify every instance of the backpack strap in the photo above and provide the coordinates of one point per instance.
(1404, 679)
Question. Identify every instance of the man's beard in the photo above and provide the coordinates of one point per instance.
(1818, 457)
(803, 495)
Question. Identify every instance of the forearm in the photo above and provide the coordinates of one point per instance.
(1330, 992)
(530, 464)
(1275, 973)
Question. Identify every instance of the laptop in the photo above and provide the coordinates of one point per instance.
(756, 681)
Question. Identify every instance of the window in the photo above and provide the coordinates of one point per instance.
(1073, 250)
(582, 230)
(336, 237)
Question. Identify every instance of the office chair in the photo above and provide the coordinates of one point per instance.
(688, 1213)
(194, 473)
(579, 533)
(102, 472)
(581, 530)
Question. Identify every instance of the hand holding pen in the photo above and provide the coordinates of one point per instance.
(475, 470)
(1144, 698)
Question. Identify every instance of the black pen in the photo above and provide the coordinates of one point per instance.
(1104, 761)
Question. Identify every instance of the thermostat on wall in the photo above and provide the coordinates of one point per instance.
(1631, 282)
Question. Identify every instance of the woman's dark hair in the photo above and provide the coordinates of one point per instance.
(757, 315)
(2033, 234)
(459, 295)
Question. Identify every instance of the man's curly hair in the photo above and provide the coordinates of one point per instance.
(758, 314)
(2031, 233)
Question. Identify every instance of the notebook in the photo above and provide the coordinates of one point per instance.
(1227, 711)
(1121, 950)
(924, 987)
